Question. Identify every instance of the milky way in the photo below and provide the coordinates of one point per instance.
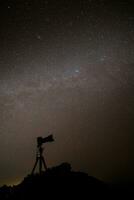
(67, 68)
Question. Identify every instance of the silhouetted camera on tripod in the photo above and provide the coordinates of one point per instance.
(39, 154)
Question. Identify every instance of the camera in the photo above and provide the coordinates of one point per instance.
(41, 140)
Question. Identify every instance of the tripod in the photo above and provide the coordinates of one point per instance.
(40, 159)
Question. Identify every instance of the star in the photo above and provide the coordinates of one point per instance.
(77, 71)
(103, 58)
(39, 37)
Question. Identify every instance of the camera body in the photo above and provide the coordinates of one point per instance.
(41, 140)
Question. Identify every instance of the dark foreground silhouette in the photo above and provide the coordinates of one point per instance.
(60, 182)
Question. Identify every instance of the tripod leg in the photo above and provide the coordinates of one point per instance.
(34, 165)
(44, 163)
(40, 165)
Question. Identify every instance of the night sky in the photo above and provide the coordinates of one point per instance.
(67, 69)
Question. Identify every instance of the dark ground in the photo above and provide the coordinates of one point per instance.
(61, 182)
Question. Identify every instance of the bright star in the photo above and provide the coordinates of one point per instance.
(38, 37)
(77, 71)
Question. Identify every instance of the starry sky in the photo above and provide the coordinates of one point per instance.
(67, 69)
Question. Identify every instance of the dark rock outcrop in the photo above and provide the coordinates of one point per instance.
(57, 182)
